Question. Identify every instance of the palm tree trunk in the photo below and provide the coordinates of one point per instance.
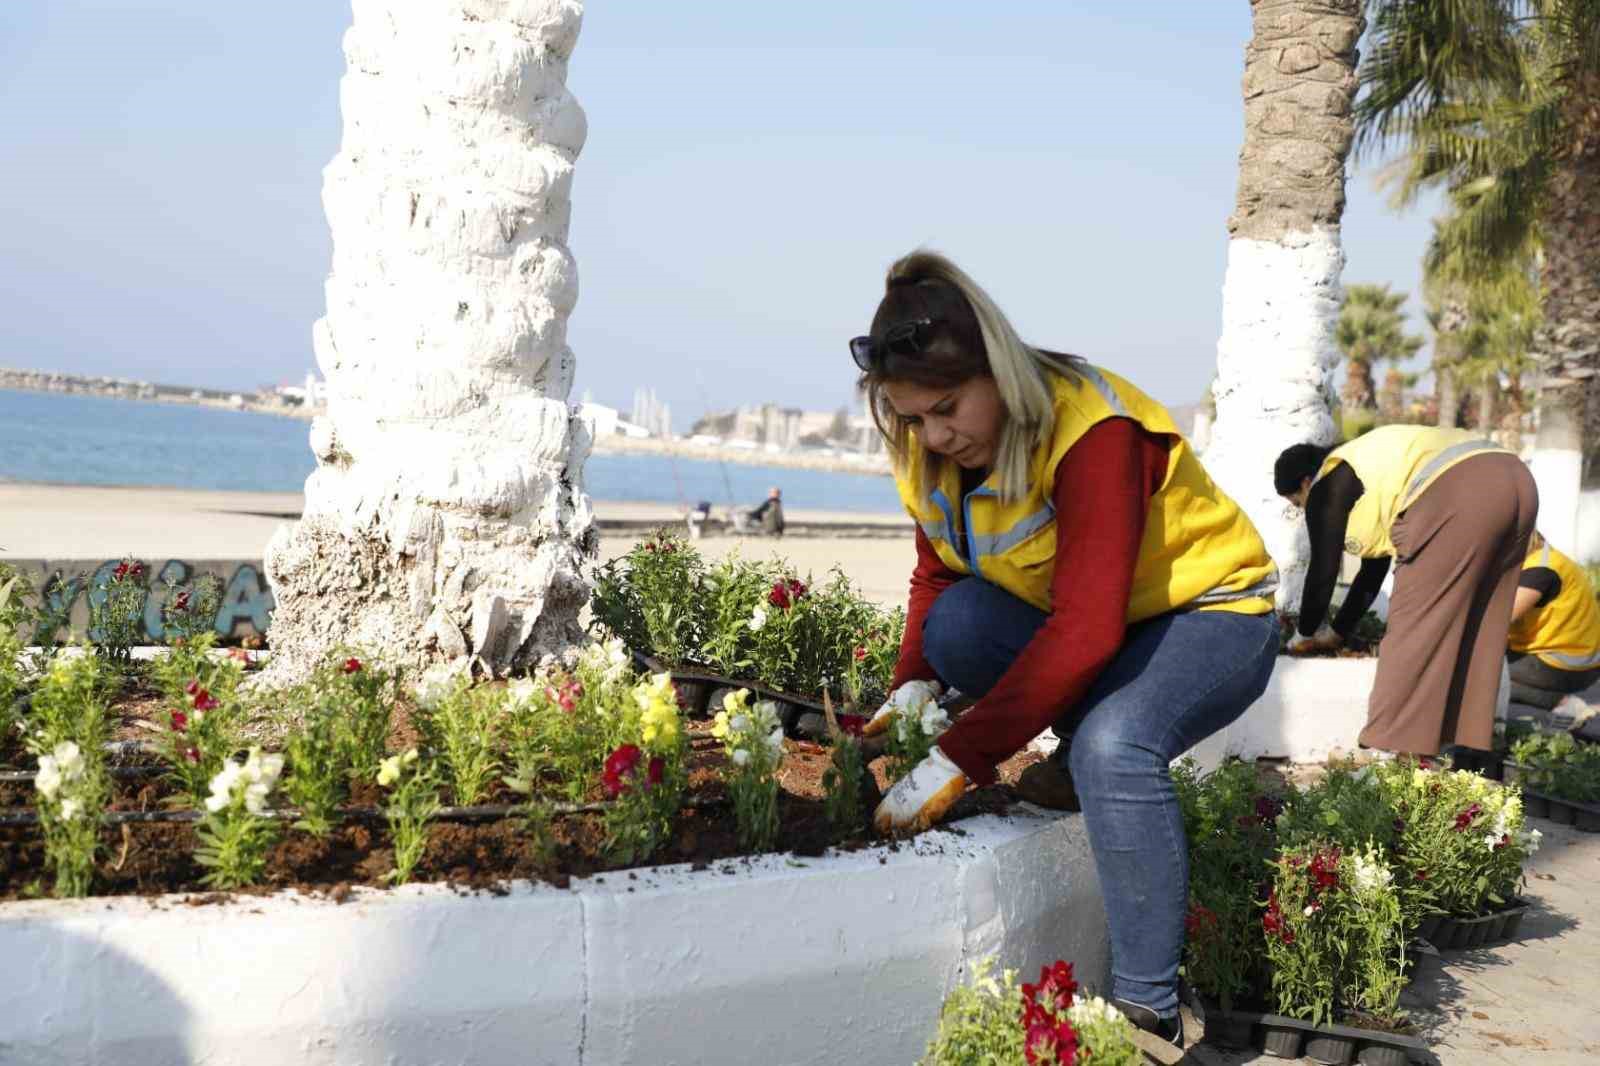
(1488, 393)
(1356, 393)
(1447, 391)
(446, 520)
(1567, 448)
(1280, 295)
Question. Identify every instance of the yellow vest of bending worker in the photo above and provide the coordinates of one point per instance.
(1199, 549)
(1564, 633)
(1395, 464)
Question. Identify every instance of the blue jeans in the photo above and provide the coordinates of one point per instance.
(1177, 679)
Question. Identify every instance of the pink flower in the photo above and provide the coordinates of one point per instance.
(352, 666)
(192, 687)
(860, 653)
(192, 754)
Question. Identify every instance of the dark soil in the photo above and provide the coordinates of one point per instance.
(157, 858)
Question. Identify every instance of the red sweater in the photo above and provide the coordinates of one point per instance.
(1102, 494)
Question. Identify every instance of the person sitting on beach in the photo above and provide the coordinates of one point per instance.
(1555, 629)
(1076, 568)
(770, 512)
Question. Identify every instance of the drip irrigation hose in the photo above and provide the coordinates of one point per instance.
(481, 813)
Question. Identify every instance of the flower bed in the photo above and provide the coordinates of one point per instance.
(838, 957)
(1302, 903)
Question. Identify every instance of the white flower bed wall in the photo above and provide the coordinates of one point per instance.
(776, 960)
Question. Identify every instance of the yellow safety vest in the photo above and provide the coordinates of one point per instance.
(1564, 633)
(1199, 549)
(1395, 464)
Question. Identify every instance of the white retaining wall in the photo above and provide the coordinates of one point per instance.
(844, 958)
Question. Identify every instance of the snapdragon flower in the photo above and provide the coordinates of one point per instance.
(389, 769)
(63, 766)
(254, 779)
(758, 618)
(1371, 874)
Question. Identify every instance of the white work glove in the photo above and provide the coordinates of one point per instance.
(922, 797)
(908, 697)
(1324, 639)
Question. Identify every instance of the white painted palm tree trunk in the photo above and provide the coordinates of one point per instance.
(1281, 291)
(446, 519)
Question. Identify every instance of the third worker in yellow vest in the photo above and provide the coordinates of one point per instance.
(1555, 629)
(1454, 513)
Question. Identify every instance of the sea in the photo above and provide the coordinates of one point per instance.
(69, 439)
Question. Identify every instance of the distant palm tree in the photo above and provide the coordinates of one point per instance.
(1371, 328)
(1280, 296)
(1498, 101)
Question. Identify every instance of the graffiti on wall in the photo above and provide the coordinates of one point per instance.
(69, 589)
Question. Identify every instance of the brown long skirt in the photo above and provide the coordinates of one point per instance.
(1458, 553)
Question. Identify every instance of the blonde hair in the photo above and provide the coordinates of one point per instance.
(970, 337)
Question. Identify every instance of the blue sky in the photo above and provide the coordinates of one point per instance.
(751, 169)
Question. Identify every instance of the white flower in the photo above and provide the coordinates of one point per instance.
(258, 775)
(222, 786)
(63, 766)
(1530, 840)
(740, 756)
(48, 779)
(934, 719)
(1372, 874)
(1091, 1010)
(739, 723)
(522, 691)
(775, 743)
(70, 809)
(1310, 910)
(758, 618)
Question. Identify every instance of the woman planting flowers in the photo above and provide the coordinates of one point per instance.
(1076, 567)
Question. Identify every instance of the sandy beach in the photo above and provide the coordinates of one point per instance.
(62, 523)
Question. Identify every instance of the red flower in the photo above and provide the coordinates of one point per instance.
(120, 572)
(650, 546)
(1504, 840)
(1273, 922)
(1054, 1044)
(205, 701)
(620, 765)
(653, 773)
(192, 687)
(192, 754)
(352, 666)
(1055, 989)
(860, 653)
(180, 602)
(785, 592)
(1464, 819)
(851, 725)
(1424, 762)
(180, 721)
(1422, 875)
(1325, 869)
(1200, 921)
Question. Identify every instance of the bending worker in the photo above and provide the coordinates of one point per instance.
(1555, 629)
(1454, 513)
(1076, 567)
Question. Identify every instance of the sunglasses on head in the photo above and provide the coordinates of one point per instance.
(902, 338)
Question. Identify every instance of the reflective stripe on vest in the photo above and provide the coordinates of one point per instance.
(1443, 460)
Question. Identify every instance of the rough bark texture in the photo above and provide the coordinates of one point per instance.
(1277, 354)
(1299, 85)
(1568, 342)
(446, 519)
(1447, 395)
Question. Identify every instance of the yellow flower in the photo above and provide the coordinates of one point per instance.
(719, 725)
(659, 723)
